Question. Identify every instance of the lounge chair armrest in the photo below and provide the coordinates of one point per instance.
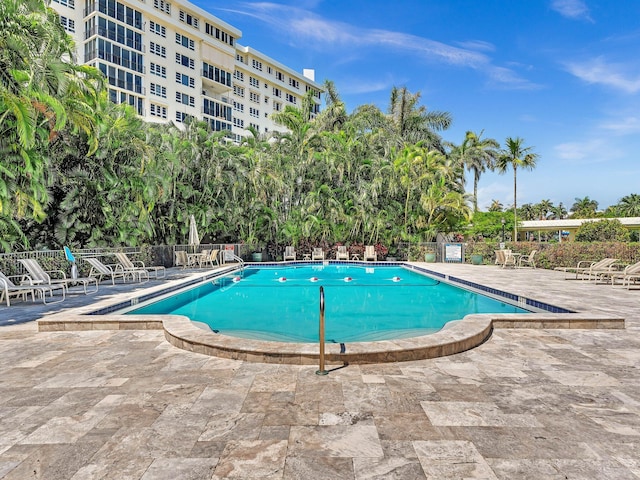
(139, 263)
(60, 272)
(117, 268)
(22, 279)
(584, 262)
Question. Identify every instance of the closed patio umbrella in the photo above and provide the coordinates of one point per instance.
(194, 239)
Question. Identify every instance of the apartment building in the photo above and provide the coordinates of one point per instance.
(172, 60)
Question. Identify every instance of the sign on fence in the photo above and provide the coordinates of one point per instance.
(228, 252)
(453, 252)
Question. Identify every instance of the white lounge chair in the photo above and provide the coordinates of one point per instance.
(9, 289)
(99, 270)
(370, 253)
(626, 276)
(342, 253)
(587, 269)
(129, 264)
(289, 253)
(42, 277)
(317, 254)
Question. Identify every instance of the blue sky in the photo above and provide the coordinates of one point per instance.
(562, 74)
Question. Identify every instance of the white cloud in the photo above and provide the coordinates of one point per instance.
(598, 71)
(623, 126)
(573, 9)
(309, 30)
(479, 45)
(358, 87)
(592, 151)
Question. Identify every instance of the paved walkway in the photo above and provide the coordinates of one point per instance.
(527, 404)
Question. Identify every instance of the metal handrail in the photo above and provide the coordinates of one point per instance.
(321, 370)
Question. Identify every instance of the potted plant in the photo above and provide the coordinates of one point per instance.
(476, 259)
(429, 255)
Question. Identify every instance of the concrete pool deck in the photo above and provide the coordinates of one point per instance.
(527, 403)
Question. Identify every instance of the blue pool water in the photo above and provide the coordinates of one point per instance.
(362, 303)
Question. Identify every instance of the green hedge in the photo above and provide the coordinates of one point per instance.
(567, 254)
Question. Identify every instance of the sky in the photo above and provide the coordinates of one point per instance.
(564, 75)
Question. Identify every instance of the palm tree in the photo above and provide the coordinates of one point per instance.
(517, 156)
(412, 123)
(476, 155)
(496, 206)
(42, 94)
(543, 209)
(529, 212)
(629, 206)
(558, 213)
(584, 208)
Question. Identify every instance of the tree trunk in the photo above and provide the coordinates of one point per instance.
(515, 205)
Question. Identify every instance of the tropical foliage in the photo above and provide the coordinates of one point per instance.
(78, 170)
(602, 231)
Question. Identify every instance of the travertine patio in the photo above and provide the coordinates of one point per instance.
(527, 403)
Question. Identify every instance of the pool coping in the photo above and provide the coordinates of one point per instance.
(455, 337)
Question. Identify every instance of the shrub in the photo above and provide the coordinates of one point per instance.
(602, 231)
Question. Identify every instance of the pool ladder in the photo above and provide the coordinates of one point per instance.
(321, 370)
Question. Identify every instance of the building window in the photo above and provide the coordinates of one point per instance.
(238, 107)
(113, 31)
(185, 61)
(66, 3)
(158, 90)
(158, 29)
(280, 76)
(188, 19)
(238, 75)
(158, 110)
(123, 97)
(277, 106)
(162, 6)
(116, 10)
(254, 82)
(254, 97)
(216, 109)
(121, 78)
(185, 41)
(158, 49)
(294, 83)
(216, 74)
(218, 34)
(185, 99)
(256, 64)
(254, 112)
(239, 91)
(68, 24)
(182, 117)
(185, 80)
(291, 98)
(254, 125)
(238, 122)
(277, 92)
(158, 70)
(239, 58)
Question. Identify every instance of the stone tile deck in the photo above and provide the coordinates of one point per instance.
(526, 404)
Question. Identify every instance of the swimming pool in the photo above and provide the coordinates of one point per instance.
(363, 303)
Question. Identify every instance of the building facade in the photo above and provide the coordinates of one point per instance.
(171, 60)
